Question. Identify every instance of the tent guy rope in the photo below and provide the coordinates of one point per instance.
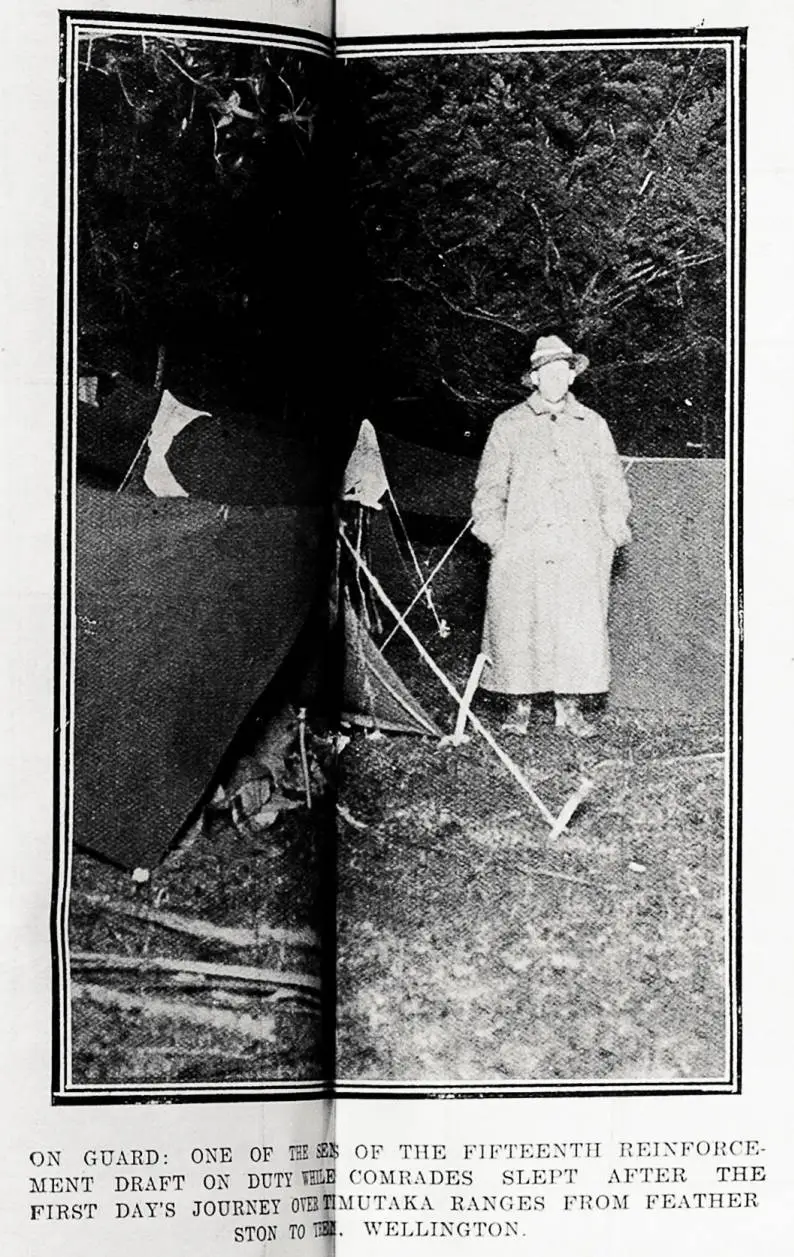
(429, 580)
(425, 590)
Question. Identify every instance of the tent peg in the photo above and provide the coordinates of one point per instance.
(566, 812)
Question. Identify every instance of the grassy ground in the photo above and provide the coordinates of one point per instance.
(471, 947)
(468, 945)
(193, 1028)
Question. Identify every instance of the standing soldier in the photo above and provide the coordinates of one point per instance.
(551, 503)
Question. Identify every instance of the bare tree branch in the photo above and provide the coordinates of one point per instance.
(481, 315)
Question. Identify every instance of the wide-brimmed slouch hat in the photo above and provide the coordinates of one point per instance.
(553, 349)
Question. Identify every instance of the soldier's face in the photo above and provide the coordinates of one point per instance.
(553, 379)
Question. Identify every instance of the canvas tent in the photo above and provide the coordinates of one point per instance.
(668, 605)
(184, 614)
(667, 610)
(186, 605)
(374, 696)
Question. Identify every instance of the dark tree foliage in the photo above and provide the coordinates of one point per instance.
(498, 197)
(203, 222)
(490, 198)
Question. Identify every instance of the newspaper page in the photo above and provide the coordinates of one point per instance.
(559, 928)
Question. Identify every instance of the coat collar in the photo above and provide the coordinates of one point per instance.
(570, 407)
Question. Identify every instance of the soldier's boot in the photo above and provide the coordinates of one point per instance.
(568, 715)
(518, 719)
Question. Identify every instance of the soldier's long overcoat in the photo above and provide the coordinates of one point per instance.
(551, 502)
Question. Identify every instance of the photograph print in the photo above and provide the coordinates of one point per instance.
(399, 485)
